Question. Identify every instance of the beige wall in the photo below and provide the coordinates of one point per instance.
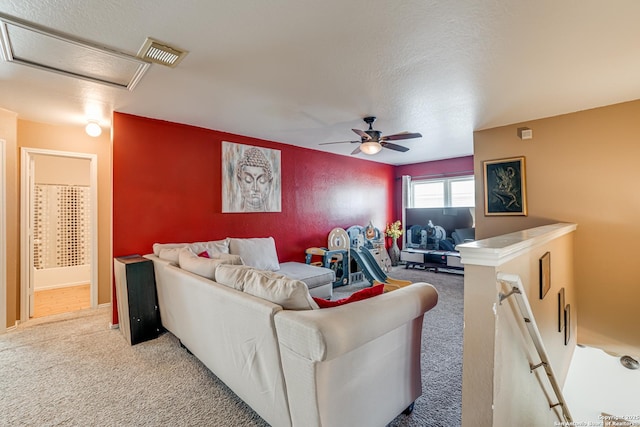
(8, 132)
(62, 170)
(60, 138)
(582, 168)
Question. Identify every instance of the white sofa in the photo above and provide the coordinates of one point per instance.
(352, 365)
(259, 253)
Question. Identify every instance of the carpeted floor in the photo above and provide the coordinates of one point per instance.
(72, 370)
(441, 402)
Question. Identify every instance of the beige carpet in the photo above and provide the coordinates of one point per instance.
(75, 371)
(72, 370)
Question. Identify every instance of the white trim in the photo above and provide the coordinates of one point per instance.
(3, 238)
(406, 197)
(25, 261)
(446, 185)
(496, 251)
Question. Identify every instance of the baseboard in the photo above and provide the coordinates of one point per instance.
(111, 325)
(11, 328)
(60, 286)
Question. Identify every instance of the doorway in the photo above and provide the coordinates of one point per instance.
(58, 232)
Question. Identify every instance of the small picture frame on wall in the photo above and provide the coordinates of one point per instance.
(567, 324)
(561, 310)
(545, 274)
(505, 187)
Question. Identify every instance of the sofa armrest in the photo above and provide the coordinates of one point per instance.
(325, 334)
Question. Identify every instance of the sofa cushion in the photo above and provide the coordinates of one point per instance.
(356, 296)
(170, 254)
(289, 293)
(205, 267)
(228, 258)
(169, 251)
(157, 247)
(232, 276)
(211, 247)
(313, 276)
(256, 252)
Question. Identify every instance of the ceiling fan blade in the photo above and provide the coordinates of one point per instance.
(337, 142)
(362, 134)
(395, 147)
(402, 135)
(356, 151)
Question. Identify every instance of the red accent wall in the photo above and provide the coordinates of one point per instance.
(448, 167)
(167, 182)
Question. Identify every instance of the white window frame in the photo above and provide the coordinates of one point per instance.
(447, 188)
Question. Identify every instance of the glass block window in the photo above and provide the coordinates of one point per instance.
(62, 231)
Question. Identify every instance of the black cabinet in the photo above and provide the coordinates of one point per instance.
(138, 314)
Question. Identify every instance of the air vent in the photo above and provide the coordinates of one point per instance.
(159, 53)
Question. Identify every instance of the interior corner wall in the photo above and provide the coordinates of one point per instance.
(581, 168)
(74, 139)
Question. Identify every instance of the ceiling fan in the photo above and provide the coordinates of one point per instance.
(371, 142)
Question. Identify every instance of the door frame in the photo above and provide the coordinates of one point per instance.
(27, 155)
(3, 237)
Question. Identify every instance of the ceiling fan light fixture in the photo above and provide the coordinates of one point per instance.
(370, 147)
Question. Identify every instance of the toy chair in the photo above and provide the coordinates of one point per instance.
(337, 260)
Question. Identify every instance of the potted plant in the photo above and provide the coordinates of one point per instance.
(394, 230)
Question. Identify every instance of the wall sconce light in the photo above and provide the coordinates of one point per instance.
(93, 129)
(525, 133)
(370, 147)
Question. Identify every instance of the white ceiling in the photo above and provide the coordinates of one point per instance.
(303, 72)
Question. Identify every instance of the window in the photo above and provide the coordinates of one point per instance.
(443, 192)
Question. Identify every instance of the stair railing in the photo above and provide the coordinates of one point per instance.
(513, 280)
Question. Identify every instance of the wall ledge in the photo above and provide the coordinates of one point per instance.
(495, 251)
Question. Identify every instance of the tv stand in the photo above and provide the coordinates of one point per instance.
(432, 259)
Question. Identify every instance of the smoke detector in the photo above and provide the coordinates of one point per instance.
(160, 53)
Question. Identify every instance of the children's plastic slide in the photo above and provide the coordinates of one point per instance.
(372, 271)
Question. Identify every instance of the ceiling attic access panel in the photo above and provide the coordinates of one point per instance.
(46, 49)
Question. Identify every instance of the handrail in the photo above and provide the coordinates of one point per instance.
(514, 281)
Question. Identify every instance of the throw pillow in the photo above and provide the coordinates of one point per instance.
(256, 252)
(356, 296)
(204, 267)
(289, 293)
